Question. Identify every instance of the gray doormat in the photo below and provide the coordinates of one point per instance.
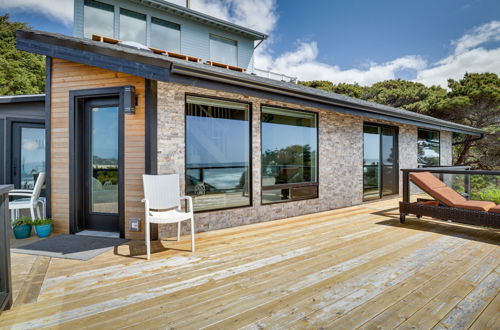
(70, 246)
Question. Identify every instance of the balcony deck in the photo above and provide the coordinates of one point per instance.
(346, 268)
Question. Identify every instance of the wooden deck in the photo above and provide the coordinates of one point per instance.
(355, 267)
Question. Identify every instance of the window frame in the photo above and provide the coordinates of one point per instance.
(439, 144)
(222, 37)
(102, 6)
(290, 185)
(151, 22)
(122, 11)
(250, 148)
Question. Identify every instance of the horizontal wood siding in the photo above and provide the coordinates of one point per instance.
(67, 76)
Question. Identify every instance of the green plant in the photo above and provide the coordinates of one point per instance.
(40, 222)
(24, 220)
(492, 195)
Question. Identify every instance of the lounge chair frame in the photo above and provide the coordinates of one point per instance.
(466, 216)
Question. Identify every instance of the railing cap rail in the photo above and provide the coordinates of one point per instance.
(450, 171)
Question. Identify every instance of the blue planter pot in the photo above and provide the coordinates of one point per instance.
(43, 230)
(23, 231)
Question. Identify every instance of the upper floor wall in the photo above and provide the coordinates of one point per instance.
(157, 28)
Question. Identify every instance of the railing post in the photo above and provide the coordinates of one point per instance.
(467, 185)
(406, 186)
(5, 230)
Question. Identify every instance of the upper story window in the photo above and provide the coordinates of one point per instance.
(223, 50)
(217, 153)
(165, 35)
(428, 147)
(132, 26)
(289, 155)
(98, 19)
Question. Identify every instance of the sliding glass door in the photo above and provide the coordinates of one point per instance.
(380, 161)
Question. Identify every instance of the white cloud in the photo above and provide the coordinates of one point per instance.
(61, 11)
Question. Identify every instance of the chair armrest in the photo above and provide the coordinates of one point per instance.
(20, 194)
(21, 191)
(190, 202)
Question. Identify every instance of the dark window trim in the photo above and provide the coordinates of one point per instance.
(396, 170)
(99, 5)
(76, 98)
(2, 151)
(439, 139)
(292, 185)
(151, 134)
(250, 142)
(165, 23)
(132, 14)
(10, 121)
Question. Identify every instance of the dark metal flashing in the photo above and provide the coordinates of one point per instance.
(114, 61)
(48, 160)
(22, 98)
(75, 99)
(168, 69)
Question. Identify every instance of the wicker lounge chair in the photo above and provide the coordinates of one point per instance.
(448, 204)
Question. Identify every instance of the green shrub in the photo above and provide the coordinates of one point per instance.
(491, 194)
(40, 222)
(24, 220)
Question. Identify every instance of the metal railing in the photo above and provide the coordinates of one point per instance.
(5, 229)
(274, 75)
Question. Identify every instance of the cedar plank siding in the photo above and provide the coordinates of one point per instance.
(68, 76)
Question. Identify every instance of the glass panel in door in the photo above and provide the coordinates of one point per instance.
(371, 162)
(32, 160)
(389, 154)
(104, 160)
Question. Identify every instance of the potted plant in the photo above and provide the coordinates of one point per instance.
(22, 227)
(43, 227)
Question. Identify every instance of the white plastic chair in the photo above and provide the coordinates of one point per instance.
(162, 201)
(32, 202)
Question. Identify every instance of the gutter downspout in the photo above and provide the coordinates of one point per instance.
(469, 140)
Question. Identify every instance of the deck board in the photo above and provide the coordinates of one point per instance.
(348, 268)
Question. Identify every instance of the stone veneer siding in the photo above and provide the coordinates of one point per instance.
(340, 158)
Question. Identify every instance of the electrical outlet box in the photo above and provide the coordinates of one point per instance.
(134, 224)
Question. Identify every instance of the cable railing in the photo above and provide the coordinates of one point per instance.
(274, 75)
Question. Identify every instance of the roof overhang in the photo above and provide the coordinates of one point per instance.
(163, 68)
(22, 98)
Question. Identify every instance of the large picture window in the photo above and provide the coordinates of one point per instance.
(289, 155)
(98, 19)
(428, 148)
(132, 26)
(165, 35)
(217, 153)
(223, 50)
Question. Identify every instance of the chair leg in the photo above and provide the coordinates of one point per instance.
(38, 212)
(148, 240)
(178, 231)
(32, 212)
(192, 234)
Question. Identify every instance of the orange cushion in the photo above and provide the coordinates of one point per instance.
(447, 196)
(426, 180)
(495, 209)
(432, 203)
(476, 205)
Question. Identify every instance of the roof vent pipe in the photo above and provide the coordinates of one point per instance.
(187, 4)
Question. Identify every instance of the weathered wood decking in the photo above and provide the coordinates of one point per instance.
(347, 268)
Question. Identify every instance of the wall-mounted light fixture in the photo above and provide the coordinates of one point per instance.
(129, 100)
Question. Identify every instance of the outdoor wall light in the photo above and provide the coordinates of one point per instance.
(129, 100)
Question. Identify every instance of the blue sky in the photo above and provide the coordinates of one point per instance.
(343, 41)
